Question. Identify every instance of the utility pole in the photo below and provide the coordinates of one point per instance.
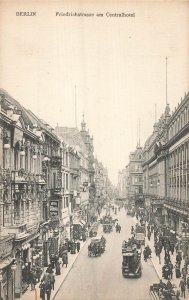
(155, 114)
(139, 132)
(166, 79)
(75, 108)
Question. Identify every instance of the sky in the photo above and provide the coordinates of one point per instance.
(116, 63)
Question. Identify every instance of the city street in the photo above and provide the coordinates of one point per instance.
(100, 278)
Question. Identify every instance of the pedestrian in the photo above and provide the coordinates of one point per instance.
(52, 280)
(38, 273)
(167, 257)
(58, 272)
(169, 285)
(78, 246)
(65, 259)
(149, 235)
(42, 287)
(159, 256)
(182, 287)
(184, 273)
(177, 295)
(187, 283)
(177, 270)
(49, 269)
(84, 236)
(47, 278)
(52, 260)
(32, 279)
(48, 291)
(186, 261)
(171, 269)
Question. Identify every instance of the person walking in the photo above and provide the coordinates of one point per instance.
(52, 280)
(58, 272)
(184, 273)
(182, 287)
(149, 235)
(48, 291)
(177, 270)
(47, 278)
(187, 283)
(42, 287)
(32, 279)
(78, 246)
(38, 273)
(171, 269)
(65, 259)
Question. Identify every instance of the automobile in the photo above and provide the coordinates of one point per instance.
(96, 246)
(131, 263)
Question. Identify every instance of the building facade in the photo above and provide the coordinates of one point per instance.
(166, 169)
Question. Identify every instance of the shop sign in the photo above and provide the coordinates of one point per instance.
(56, 191)
(53, 208)
(78, 200)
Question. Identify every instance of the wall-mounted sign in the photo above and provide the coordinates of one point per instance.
(53, 208)
(78, 200)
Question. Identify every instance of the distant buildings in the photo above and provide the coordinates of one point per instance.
(130, 179)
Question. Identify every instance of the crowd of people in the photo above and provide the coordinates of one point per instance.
(166, 247)
(57, 261)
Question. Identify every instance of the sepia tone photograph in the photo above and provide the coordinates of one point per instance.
(94, 150)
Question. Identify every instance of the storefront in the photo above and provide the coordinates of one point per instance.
(28, 254)
(7, 275)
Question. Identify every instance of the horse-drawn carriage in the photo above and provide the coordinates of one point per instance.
(96, 246)
(161, 292)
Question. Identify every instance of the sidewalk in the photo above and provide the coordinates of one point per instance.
(158, 265)
(59, 279)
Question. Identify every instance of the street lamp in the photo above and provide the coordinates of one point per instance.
(1, 279)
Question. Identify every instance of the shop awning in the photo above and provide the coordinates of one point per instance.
(82, 222)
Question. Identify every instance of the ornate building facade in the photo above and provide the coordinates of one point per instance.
(166, 169)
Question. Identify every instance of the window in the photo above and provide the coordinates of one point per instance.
(66, 159)
(54, 180)
(66, 181)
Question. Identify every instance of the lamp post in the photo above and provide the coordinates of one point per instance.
(1, 279)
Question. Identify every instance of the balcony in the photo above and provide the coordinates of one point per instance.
(40, 179)
(56, 161)
(19, 176)
(75, 172)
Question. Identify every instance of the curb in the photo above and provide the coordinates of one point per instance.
(67, 272)
(155, 268)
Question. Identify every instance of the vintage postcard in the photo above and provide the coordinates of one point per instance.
(94, 150)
